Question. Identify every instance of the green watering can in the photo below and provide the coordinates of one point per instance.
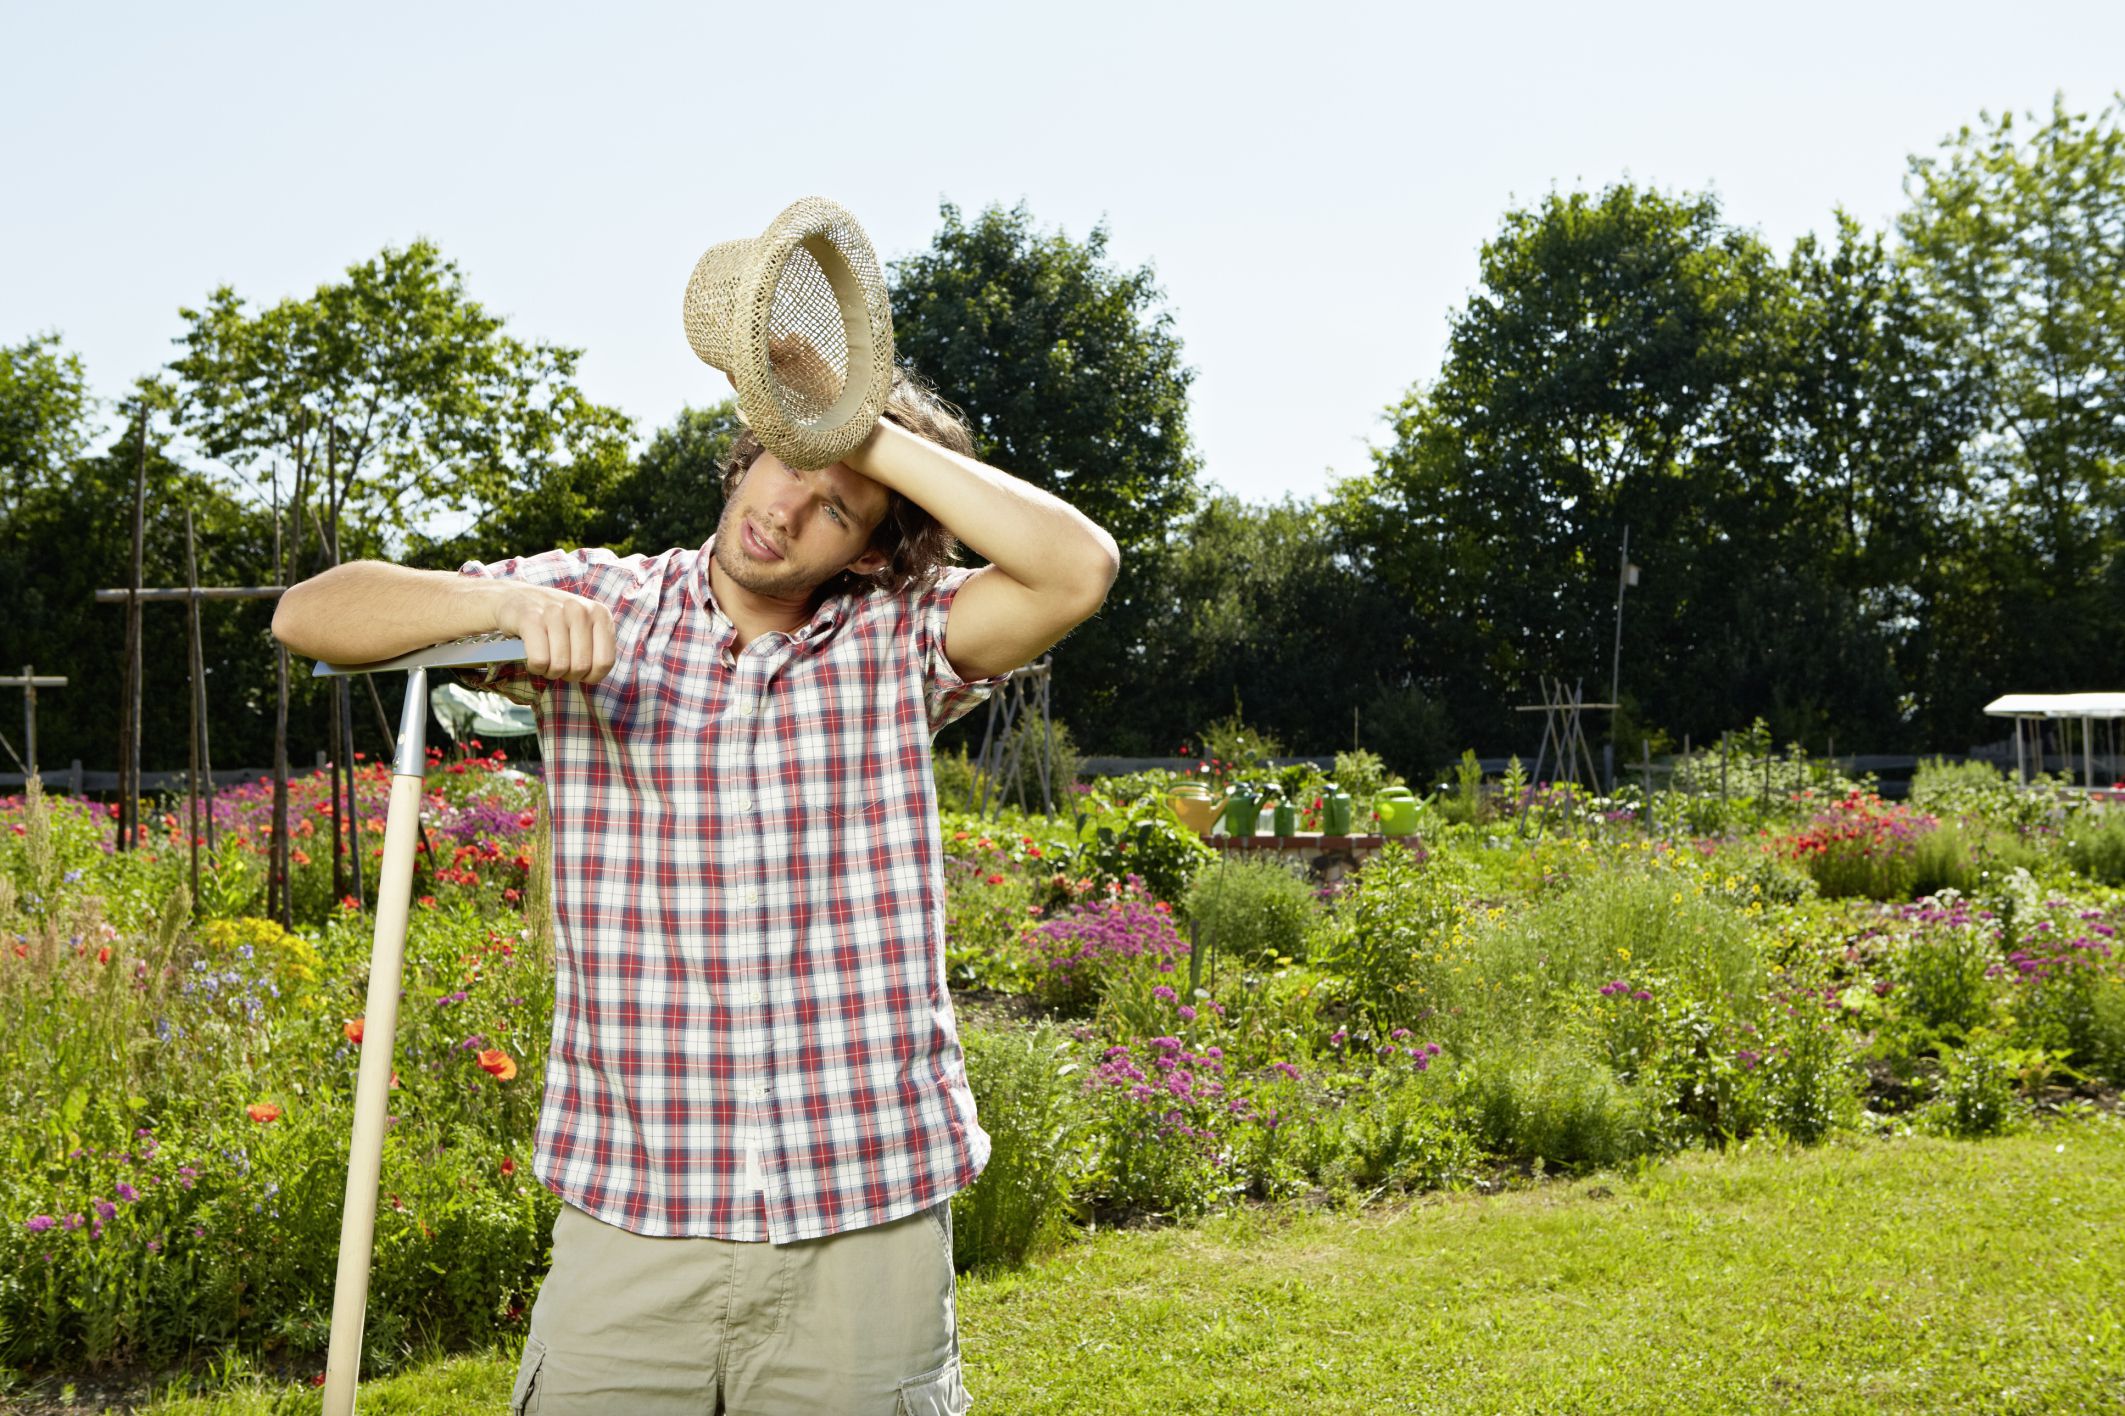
(1397, 807)
(1287, 819)
(1243, 814)
(1335, 813)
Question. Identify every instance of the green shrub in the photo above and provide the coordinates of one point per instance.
(1977, 1092)
(1942, 980)
(1142, 839)
(1080, 953)
(1257, 910)
(1160, 1121)
(2095, 846)
(1649, 927)
(1404, 1134)
(958, 785)
(1940, 860)
(1232, 749)
(1025, 1092)
(1386, 936)
(1363, 774)
(1809, 1079)
(1030, 743)
(1553, 1105)
(1979, 791)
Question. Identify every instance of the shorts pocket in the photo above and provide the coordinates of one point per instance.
(524, 1397)
(940, 1221)
(938, 1393)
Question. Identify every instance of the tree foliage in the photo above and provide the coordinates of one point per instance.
(1070, 372)
(45, 408)
(2016, 236)
(392, 399)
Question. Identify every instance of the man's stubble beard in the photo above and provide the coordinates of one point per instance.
(730, 555)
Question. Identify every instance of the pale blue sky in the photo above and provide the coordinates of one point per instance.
(1311, 182)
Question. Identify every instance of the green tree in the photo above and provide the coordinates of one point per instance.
(2016, 235)
(1259, 606)
(673, 495)
(45, 407)
(1070, 372)
(1619, 366)
(393, 400)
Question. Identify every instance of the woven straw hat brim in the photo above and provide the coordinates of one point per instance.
(786, 383)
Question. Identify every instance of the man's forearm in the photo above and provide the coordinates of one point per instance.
(1039, 540)
(368, 610)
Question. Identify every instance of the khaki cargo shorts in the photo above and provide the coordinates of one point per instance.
(854, 1324)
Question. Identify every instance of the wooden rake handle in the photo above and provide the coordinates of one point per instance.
(372, 1089)
(387, 967)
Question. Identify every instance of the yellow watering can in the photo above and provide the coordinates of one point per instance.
(1194, 804)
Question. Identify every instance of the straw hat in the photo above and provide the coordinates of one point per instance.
(797, 317)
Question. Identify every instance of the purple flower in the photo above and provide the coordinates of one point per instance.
(1639, 995)
(1164, 994)
(1187, 1013)
(127, 1193)
(1400, 1034)
(449, 998)
(38, 1223)
(104, 1208)
(1338, 1037)
(73, 1222)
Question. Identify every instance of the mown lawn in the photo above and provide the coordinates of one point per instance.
(1908, 1275)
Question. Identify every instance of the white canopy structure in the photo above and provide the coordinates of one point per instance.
(2086, 708)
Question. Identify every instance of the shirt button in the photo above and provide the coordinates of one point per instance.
(760, 1090)
(750, 709)
(745, 803)
(758, 996)
(752, 897)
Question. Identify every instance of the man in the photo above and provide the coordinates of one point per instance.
(756, 1110)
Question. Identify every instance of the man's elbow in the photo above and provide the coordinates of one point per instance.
(287, 618)
(1102, 562)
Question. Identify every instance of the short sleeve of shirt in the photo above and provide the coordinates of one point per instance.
(947, 695)
(590, 572)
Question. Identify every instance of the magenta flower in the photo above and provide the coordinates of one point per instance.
(127, 1193)
(38, 1223)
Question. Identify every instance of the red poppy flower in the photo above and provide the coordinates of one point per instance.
(353, 1030)
(263, 1112)
(498, 1062)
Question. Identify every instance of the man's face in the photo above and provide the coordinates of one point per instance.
(786, 533)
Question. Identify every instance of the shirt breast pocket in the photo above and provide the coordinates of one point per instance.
(851, 804)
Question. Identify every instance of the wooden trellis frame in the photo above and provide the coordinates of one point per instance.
(1026, 690)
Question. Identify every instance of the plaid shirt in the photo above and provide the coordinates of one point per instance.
(752, 1038)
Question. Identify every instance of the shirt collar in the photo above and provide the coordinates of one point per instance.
(816, 631)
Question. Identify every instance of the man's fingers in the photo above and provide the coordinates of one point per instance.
(566, 637)
(582, 642)
(605, 649)
(537, 656)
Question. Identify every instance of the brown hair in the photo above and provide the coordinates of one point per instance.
(916, 545)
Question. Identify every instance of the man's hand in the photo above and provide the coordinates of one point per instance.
(567, 637)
